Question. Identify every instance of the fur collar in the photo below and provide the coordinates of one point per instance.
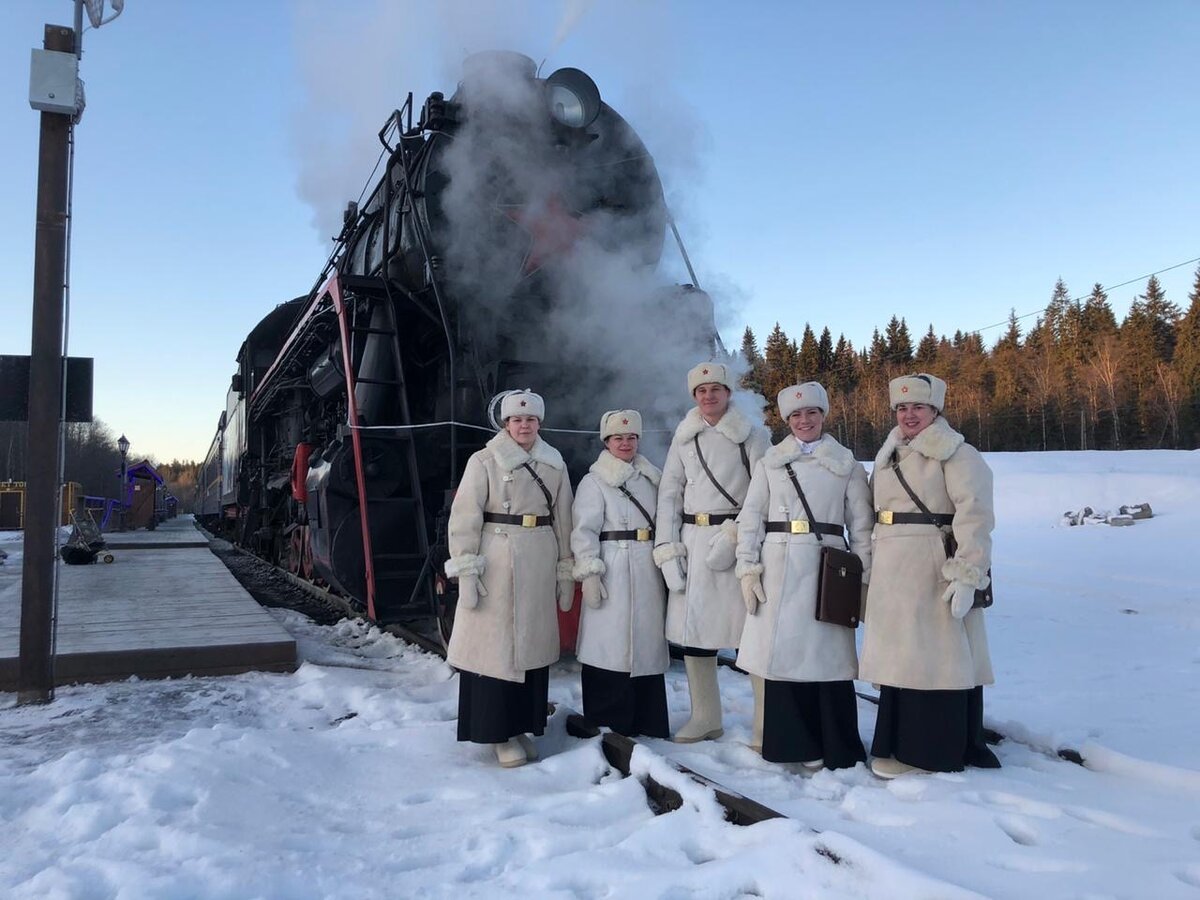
(616, 472)
(734, 425)
(509, 455)
(939, 441)
(829, 453)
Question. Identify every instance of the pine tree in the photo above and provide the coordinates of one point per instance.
(1163, 316)
(752, 379)
(927, 350)
(808, 361)
(878, 354)
(825, 352)
(899, 343)
(779, 363)
(1187, 362)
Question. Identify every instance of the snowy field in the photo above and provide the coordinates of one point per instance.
(344, 779)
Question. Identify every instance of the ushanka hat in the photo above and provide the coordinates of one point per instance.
(919, 388)
(522, 403)
(708, 373)
(802, 396)
(620, 421)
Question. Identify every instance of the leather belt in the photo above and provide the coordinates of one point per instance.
(803, 526)
(636, 534)
(887, 517)
(707, 518)
(527, 521)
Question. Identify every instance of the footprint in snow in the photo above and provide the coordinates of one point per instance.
(1109, 820)
(1020, 830)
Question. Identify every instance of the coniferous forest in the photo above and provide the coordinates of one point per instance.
(1076, 379)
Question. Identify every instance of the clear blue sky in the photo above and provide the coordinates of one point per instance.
(835, 163)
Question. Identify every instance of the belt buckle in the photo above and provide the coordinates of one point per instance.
(800, 526)
(643, 534)
(884, 517)
(701, 518)
(529, 521)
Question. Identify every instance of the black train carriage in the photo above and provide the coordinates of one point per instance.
(511, 211)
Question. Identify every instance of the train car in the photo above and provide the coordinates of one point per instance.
(512, 241)
(208, 481)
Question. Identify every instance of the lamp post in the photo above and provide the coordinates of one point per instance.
(123, 446)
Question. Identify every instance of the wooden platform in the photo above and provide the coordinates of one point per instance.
(156, 612)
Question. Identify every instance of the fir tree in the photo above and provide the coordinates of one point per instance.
(899, 342)
(825, 352)
(808, 361)
(927, 350)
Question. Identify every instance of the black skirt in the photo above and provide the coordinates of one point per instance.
(628, 705)
(807, 720)
(491, 710)
(941, 731)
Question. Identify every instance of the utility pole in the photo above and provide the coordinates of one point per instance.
(35, 682)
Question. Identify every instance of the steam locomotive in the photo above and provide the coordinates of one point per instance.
(512, 241)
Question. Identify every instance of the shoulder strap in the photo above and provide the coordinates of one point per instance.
(624, 490)
(804, 500)
(545, 490)
(711, 477)
(745, 458)
(908, 490)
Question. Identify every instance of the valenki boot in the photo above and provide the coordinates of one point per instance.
(760, 690)
(510, 754)
(705, 722)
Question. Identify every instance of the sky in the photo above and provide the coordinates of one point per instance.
(828, 163)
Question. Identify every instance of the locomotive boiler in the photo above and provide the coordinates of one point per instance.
(512, 241)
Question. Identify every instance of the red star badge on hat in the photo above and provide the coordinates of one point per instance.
(799, 394)
(523, 403)
(904, 390)
(624, 421)
(705, 372)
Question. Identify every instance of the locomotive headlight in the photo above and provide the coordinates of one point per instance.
(573, 98)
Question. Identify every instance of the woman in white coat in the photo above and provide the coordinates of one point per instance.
(621, 642)
(704, 482)
(808, 706)
(509, 537)
(925, 644)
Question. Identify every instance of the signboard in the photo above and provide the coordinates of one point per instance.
(14, 389)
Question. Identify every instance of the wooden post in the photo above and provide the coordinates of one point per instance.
(36, 676)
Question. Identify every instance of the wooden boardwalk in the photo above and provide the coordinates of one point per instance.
(167, 607)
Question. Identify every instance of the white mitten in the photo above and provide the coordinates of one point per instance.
(722, 547)
(470, 589)
(566, 595)
(594, 591)
(675, 575)
(961, 597)
(752, 592)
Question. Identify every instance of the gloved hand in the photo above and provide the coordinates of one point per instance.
(470, 589)
(961, 597)
(594, 591)
(753, 593)
(675, 574)
(566, 595)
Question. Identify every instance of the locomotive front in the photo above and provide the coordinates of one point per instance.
(511, 242)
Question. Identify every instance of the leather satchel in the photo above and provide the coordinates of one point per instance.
(839, 581)
(839, 587)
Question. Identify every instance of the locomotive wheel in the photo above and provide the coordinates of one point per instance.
(446, 603)
(295, 552)
(306, 560)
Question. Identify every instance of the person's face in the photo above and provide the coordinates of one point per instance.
(623, 446)
(712, 400)
(523, 430)
(806, 423)
(913, 418)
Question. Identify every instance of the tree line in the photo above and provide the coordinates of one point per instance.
(1077, 379)
(92, 459)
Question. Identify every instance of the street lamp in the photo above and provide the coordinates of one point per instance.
(123, 446)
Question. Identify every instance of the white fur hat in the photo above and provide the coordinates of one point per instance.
(620, 421)
(919, 388)
(802, 396)
(708, 373)
(522, 403)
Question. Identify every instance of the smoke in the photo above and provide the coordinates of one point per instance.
(548, 241)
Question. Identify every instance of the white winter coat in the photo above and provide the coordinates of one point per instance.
(912, 640)
(783, 640)
(625, 633)
(710, 614)
(515, 626)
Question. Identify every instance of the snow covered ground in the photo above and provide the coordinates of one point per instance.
(344, 778)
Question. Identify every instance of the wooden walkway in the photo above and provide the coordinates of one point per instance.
(167, 607)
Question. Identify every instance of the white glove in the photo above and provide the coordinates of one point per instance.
(675, 574)
(470, 589)
(753, 593)
(961, 597)
(566, 595)
(594, 591)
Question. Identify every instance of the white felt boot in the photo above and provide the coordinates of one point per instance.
(705, 722)
(528, 746)
(760, 690)
(510, 754)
